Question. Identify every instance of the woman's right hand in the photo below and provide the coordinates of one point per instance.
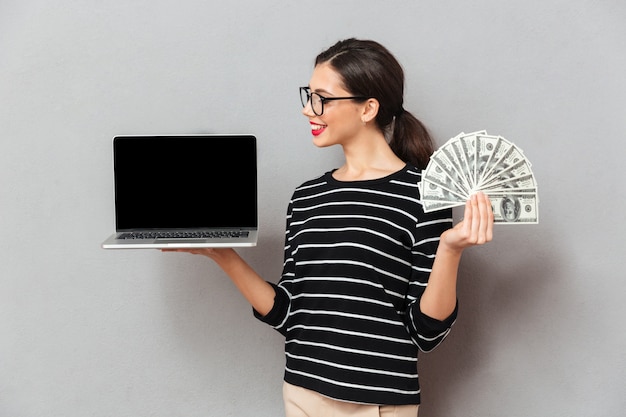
(213, 253)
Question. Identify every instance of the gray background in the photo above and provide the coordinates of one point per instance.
(89, 332)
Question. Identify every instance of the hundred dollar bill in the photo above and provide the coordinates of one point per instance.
(512, 156)
(468, 145)
(500, 148)
(435, 197)
(441, 168)
(519, 169)
(436, 175)
(432, 190)
(434, 205)
(464, 166)
(515, 208)
(485, 146)
(449, 153)
(504, 191)
(512, 184)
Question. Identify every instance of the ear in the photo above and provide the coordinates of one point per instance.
(370, 110)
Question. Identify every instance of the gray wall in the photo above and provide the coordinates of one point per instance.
(89, 332)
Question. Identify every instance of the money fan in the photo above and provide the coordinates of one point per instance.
(472, 162)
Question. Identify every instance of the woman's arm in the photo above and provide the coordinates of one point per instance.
(259, 293)
(476, 228)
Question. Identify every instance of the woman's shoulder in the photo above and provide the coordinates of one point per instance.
(409, 174)
(411, 171)
(317, 182)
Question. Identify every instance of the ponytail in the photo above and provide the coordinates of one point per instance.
(410, 140)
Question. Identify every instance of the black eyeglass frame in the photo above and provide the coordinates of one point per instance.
(308, 93)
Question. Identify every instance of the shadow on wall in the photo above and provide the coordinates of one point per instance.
(502, 289)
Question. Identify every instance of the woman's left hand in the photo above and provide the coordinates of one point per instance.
(476, 228)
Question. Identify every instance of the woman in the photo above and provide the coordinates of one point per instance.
(369, 278)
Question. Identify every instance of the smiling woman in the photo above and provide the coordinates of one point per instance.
(369, 278)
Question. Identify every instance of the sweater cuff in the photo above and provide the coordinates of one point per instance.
(276, 314)
(430, 325)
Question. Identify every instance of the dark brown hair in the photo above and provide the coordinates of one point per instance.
(368, 69)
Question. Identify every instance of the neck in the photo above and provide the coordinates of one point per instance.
(368, 157)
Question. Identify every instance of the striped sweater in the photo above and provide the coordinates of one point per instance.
(357, 259)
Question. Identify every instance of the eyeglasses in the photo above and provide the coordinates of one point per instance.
(317, 101)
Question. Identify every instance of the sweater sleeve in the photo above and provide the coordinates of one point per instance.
(427, 333)
(279, 313)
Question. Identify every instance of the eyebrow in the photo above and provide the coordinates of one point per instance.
(321, 90)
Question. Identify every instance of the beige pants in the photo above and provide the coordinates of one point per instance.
(301, 402)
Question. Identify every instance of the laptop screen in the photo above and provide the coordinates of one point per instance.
(195, 181)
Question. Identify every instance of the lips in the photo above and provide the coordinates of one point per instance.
(317, 129)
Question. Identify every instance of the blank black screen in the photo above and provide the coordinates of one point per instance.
(197, 181)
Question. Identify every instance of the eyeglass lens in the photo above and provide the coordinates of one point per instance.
(317, 104)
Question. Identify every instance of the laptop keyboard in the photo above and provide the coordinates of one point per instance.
(185, 235)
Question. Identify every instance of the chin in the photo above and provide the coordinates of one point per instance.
(321, 143)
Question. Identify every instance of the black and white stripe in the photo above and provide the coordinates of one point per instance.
(358, 256)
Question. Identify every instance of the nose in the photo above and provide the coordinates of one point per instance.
(307, 110)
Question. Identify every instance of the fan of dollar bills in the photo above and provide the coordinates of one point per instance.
(472, 162)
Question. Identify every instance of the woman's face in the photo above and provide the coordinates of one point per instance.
(341, 119)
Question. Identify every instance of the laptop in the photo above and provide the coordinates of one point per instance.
(184, 191)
